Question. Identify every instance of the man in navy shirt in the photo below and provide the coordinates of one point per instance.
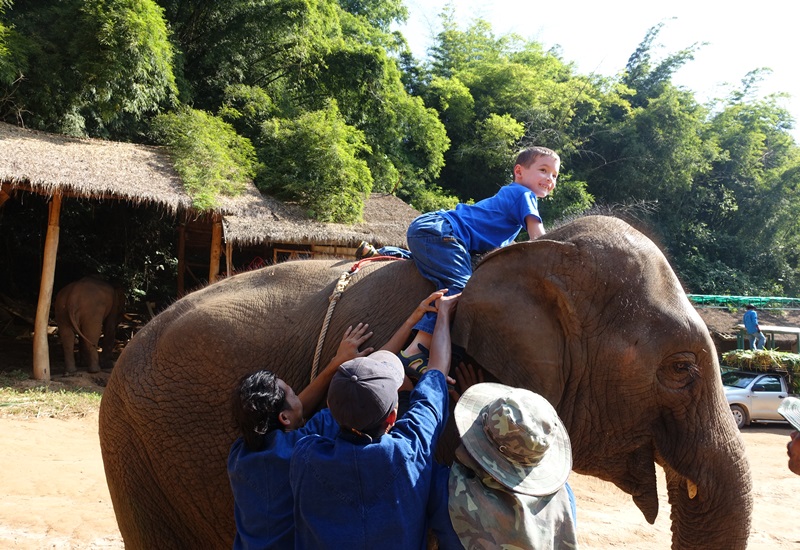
(368, 486)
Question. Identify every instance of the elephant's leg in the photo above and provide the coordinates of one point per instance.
(67, 336)
(89, 347)
(107, 342)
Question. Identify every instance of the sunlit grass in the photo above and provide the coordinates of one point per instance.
(40, 401)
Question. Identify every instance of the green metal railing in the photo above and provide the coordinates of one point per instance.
(774, 302)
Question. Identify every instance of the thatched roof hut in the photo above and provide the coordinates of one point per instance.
(62, 167)
(140, 174)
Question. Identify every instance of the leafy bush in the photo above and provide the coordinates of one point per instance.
(315, 159)
(209, 155)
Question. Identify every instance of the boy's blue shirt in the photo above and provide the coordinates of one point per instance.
(260, 483)
(352, 494)
(495, 221)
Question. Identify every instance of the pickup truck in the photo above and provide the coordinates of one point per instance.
(755, 396)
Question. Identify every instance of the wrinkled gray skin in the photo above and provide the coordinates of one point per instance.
(592, 317)
(88, 308)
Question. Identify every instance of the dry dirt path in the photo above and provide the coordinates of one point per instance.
(53, 493)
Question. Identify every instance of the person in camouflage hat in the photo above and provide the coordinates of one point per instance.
(507, 488)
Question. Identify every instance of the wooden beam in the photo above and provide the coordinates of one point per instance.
(3, 196)
(216, 249)
(41, 351)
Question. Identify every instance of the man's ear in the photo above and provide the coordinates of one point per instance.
(284, 419)
(391, 419)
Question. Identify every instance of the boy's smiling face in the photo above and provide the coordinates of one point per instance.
(540, 177)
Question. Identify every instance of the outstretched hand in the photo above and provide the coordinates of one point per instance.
(466, 376)
(426, 305)
(352, 340)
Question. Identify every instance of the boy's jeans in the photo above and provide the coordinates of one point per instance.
(440, 258)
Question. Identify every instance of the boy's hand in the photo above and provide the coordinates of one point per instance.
(351, 341)
(426, 305)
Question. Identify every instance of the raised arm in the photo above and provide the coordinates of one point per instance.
(312, 395)
(534, 226)
(398, 339)
(440, 343)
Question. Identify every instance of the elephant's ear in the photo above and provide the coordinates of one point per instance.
(518, 314)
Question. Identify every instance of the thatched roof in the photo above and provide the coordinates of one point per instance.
(94, 168)
(90, 168)
(386, 219)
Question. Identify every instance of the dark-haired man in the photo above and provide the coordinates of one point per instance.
(368, 486)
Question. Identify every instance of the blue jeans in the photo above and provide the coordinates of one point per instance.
(440, 257)
(757, 340)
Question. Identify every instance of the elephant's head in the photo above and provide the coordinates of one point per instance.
(592, 317)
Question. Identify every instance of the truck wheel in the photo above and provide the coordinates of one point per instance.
(740, 416)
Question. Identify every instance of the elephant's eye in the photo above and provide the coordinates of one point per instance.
(679, 370)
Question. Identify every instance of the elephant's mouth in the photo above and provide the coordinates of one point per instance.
(642, 484)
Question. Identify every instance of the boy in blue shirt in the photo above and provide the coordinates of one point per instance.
(368, 487)
(441, 243)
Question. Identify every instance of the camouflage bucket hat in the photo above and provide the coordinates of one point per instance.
(790, 410)
(516, 436)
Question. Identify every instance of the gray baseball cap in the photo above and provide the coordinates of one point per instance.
(364, 390)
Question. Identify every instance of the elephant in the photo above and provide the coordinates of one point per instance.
(591, 316)
(89, 307)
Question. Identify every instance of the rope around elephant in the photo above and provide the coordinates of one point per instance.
(338, 290)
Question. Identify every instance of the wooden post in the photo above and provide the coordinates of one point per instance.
(41, 351)
(228, 258)
(216, 249)
(3, 196)
(181, 259)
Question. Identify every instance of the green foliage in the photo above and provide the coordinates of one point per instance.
(568, 200)
(211, 158)
(11, 51)
(316, 160)
(272, 45)
(431, 200)
(406, 139)
(89, 63)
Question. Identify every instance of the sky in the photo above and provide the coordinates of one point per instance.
(599, 37)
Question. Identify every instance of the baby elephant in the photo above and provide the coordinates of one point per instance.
(89, 307)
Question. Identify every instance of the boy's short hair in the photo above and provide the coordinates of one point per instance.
(363, 392)
(257, 402)
(527, 156)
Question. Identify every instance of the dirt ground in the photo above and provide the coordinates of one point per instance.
(53, 493)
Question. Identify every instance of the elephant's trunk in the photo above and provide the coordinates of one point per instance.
(712, 501)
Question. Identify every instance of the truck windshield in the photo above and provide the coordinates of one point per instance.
(737, 379)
